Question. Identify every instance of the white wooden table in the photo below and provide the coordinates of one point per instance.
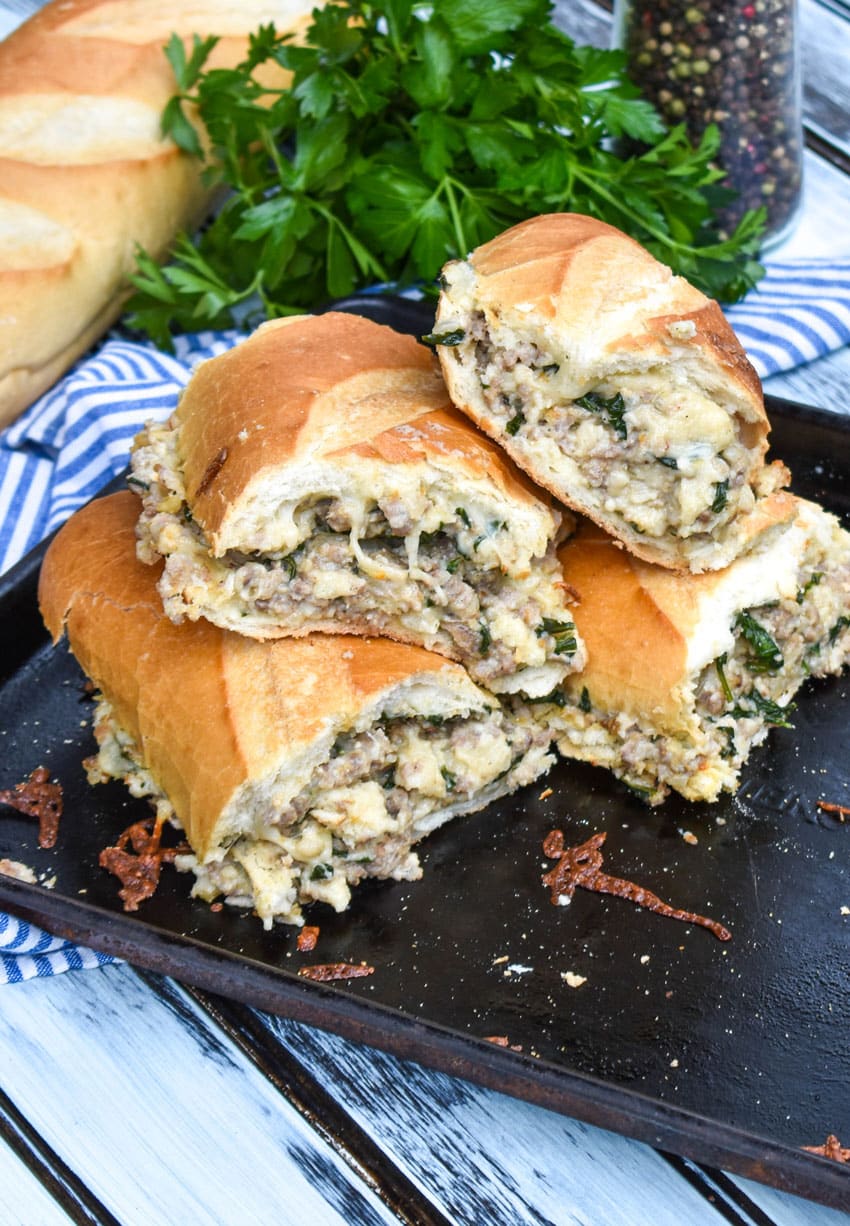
(125, 1097)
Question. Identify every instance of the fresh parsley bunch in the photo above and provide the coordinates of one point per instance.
(409, 135)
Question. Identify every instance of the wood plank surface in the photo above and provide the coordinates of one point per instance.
(160, 1115)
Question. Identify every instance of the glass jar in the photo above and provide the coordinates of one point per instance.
(736, 65)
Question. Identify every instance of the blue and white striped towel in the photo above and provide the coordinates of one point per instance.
(77, 437)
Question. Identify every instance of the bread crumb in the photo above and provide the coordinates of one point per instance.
(21, 872)
(845, 910)
(682, 329)
(689, 837)
(545, 794)
(644, 958)
(572, 980)
(674, 1063)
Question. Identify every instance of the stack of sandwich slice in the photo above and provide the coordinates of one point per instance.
(332, 564)
(349, 599)
(706, 594)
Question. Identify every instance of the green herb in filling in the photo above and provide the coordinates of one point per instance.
(449, 779)
(512, 426)
(556, 697)
(563, 634)
(807, 587)
(584, 703)
(321, 872)
(766, 656)
(485, 638)
(837, 628)
(453, 337)
(463, 516)
(762, 705)
(730, 748)
(721, 496)
(668, 461)
(721, 676)
(612, 410)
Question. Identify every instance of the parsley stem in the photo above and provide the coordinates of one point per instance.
(365, 259)
(460, 236)
(591, 181)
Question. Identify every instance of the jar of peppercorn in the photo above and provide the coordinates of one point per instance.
(735, 65)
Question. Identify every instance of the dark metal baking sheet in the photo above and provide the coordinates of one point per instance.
(735, 1055)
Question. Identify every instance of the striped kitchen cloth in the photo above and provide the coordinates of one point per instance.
(28, 953)
(799, 311)
(77, 437)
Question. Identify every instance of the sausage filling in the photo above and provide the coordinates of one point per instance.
(662, 457)
(448, 589)
(379, 792)
(737, 698)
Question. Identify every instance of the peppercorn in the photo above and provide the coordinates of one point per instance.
(736, 65)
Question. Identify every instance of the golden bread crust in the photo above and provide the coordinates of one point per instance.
(85, 173)
(637, 619)
(322, 387)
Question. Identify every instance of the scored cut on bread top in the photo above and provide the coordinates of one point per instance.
(597, 369)
(213, 711)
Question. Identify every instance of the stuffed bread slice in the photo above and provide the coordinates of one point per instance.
(618, 386)
(317, 477)
(687, 673)
(295, 768)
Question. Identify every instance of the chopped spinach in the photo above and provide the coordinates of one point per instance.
(449, 779)
(612, 410)
(766, 656)
(721, 675)
(562, 632)
(721, 496)
(556, 697)
(454, 336)
(762, 705)
(837, 628)
(512, 426)
(321, 872)
(730, 748)
(808, 585)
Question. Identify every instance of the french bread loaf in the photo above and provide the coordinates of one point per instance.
(84, 172)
